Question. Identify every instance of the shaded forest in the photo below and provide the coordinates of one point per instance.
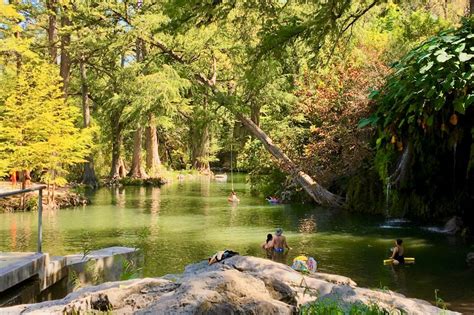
(362, 104)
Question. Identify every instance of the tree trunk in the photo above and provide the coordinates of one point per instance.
(17, 36)
(23, 186)
(51, 186)
(117, 139)
(48, 193)
(53, 201)
(316, 191)
(445, 9)
(89, 177)
(122, 169)
(255, 114)
(65, 63)
(200, 137)
(153, 162)
(200, 148)
(86, 114)
(137, 170)
(25, 179)
(52, 29)
(471, 7)
(169, 158)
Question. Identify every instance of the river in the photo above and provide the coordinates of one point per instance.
(184, 222)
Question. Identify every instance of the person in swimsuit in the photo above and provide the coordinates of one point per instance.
(233, 197)
(268, 243)
(279, 242)
(397, 252)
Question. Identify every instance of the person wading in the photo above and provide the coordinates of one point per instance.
(279, 241)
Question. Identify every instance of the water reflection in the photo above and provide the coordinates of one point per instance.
(205, 185)
(233, 212)
(13, 230)
(280, 257)
(142, 196)
(307, 225)
(184, 222)
(399, 277)
(19, 235)
(155, 211)
(118, 196)
(155, 200)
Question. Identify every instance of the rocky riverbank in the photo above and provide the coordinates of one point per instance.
(64, 198)
(238, 285)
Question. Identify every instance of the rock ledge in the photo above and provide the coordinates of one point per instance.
(238, 285)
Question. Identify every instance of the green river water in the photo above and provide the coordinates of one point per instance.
(184, 222)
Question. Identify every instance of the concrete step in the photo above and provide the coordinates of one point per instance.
(55, 270)
(18, 267)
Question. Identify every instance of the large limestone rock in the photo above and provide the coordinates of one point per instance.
(238, 285)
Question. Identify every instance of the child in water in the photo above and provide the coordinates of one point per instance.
(397, 253)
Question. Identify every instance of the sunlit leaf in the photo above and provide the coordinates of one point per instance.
(465, 57)
(443, 57)
(427, 67)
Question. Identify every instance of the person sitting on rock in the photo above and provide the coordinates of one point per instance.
(221, 255)
(279, 242)
(397, 253)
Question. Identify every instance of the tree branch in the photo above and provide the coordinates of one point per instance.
(159, 44)
(214, 71)
(359, 15)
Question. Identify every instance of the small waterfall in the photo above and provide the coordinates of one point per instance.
(455, 146)
(387, 199)
(397, 175)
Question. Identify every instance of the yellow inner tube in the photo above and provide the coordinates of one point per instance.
(301, 257)
(408, 260)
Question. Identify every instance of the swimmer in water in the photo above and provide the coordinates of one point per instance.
(279, 242)
(233, 197)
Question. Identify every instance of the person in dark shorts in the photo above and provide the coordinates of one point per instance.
(397, 252)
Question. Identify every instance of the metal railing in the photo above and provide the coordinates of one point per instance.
(38, 188)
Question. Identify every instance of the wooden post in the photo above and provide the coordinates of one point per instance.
(40, 207)
(40, 220)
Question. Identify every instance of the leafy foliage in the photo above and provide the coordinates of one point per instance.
(429, 84)
(37, 127)
(401, 29)
(334, 307)
(300, 69)
(425, 110)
